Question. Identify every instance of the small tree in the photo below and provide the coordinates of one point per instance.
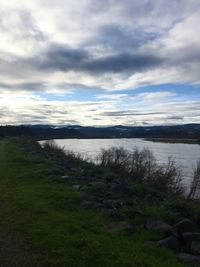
(195, 184)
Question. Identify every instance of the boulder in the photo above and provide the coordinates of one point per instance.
(158, 226)
(170, 242)
(97, 186)
(184, 226)
(195, 248)
(76, 187)
(155, 197)
(188, 258)
(121, 188)
(84, 188)
(65, 177)
(93, 197)
(112, 203)
(190, 237)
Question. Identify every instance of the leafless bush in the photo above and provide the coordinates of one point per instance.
(141, 166)
(78, 156)
(50, 145)
(168, 178)
(195, 184)
(51, 148)
(114, 157)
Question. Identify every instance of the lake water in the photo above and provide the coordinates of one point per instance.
(186, 155)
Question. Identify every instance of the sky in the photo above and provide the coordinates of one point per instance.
(99, 62)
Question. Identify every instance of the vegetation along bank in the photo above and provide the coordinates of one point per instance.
(58, 210)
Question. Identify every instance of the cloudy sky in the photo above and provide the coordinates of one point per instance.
(92, 62)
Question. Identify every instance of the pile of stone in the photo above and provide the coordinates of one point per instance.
(112, 196)
(182, 238)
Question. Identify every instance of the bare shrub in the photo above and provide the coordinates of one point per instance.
(50, 145)
(71, 154)
(141, 166)
(168, 178)
(195, 184)
(115, 158)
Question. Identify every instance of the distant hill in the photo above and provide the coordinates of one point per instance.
(190, 131)
(178, 131)
(41, 132)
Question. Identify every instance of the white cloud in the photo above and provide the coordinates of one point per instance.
(155, 95)
(109, 44)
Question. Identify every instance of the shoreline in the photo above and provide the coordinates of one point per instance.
(174, 140)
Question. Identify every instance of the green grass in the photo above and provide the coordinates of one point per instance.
(42, 222)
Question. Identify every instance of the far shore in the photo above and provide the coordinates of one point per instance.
(174, 140)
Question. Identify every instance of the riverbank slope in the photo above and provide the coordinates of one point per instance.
(44, 222)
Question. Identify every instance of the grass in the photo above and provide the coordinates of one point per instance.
(43, 224)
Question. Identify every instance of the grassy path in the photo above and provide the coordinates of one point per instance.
(42, 222)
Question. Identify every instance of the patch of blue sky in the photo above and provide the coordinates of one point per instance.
(186, 91)
(181, 92)
(74, 94)
(86, 94)
(54, 96)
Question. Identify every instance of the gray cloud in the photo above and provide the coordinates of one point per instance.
(129, 113)
(63, 46)
(123, 63)
(61, 58)
(174, 117)
(124, 38)
(114, 37)
(58, 57)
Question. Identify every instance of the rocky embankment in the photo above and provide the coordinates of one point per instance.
(115, 198)
(134, 206)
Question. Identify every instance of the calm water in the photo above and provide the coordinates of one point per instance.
(185, 155)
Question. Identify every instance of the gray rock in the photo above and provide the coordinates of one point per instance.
(158, 226)
(98, 186)
(195, 248)
(188, 258)
(184, 226)
(121, 188)
(130, 202)
(188, 238)
(113, 185)
(155, 197)
(112, 203)
(76, 187)
(83, 188)
(119, 227)
(170, 242)
(91, 196)
(65, 177)
(97, 183)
